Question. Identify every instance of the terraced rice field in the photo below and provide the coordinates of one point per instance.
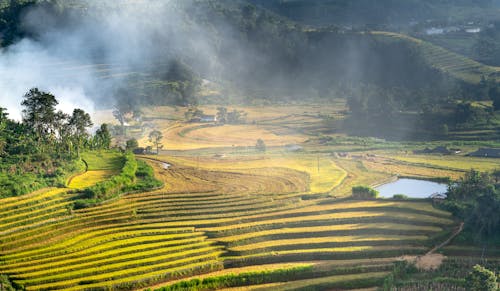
(454, 163)
(319, 173)
(455, 64)
(204, 221)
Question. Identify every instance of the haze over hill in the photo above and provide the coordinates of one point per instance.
(102, 54)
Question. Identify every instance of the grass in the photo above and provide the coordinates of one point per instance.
(103, 160)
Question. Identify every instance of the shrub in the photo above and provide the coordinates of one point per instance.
(363, 192)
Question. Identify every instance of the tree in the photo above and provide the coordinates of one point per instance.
(132, 144)
(260, 145)
(236, 116)
(476, 199)
(481, 279)
(103, 137)
(79, 122)
(155, 138)
(39, 113)
(3, 125)
(221, 115)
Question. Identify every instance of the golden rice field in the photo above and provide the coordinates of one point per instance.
(277, 126)
(146, 238)
(228, 210)
(321, 173)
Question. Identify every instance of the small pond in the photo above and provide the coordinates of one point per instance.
(412, 188)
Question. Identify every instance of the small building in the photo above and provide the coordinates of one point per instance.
(438, 196)
(486, 153)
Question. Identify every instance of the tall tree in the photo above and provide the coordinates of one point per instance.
(155, 138)
(3, 125)
(79, 122)
(39, 113)
(103, 137)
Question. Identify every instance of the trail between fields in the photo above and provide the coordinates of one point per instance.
(431, 260)
(452, 236)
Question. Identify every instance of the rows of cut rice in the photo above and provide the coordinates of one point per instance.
(325, 230)
(9, 205)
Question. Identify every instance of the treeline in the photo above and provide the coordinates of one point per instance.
(43, 148)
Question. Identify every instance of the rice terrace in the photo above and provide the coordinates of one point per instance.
(238, 145)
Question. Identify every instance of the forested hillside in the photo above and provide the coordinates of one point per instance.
(384, 12)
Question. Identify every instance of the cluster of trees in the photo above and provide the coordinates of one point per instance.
(44, 146)
(46, 130)
(475, 198)
(224, 116)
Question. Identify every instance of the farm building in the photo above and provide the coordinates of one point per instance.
(486, 152)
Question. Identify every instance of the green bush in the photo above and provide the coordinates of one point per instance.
(363, 192)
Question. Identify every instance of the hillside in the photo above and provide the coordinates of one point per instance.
(456, 65)
(387, 13)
